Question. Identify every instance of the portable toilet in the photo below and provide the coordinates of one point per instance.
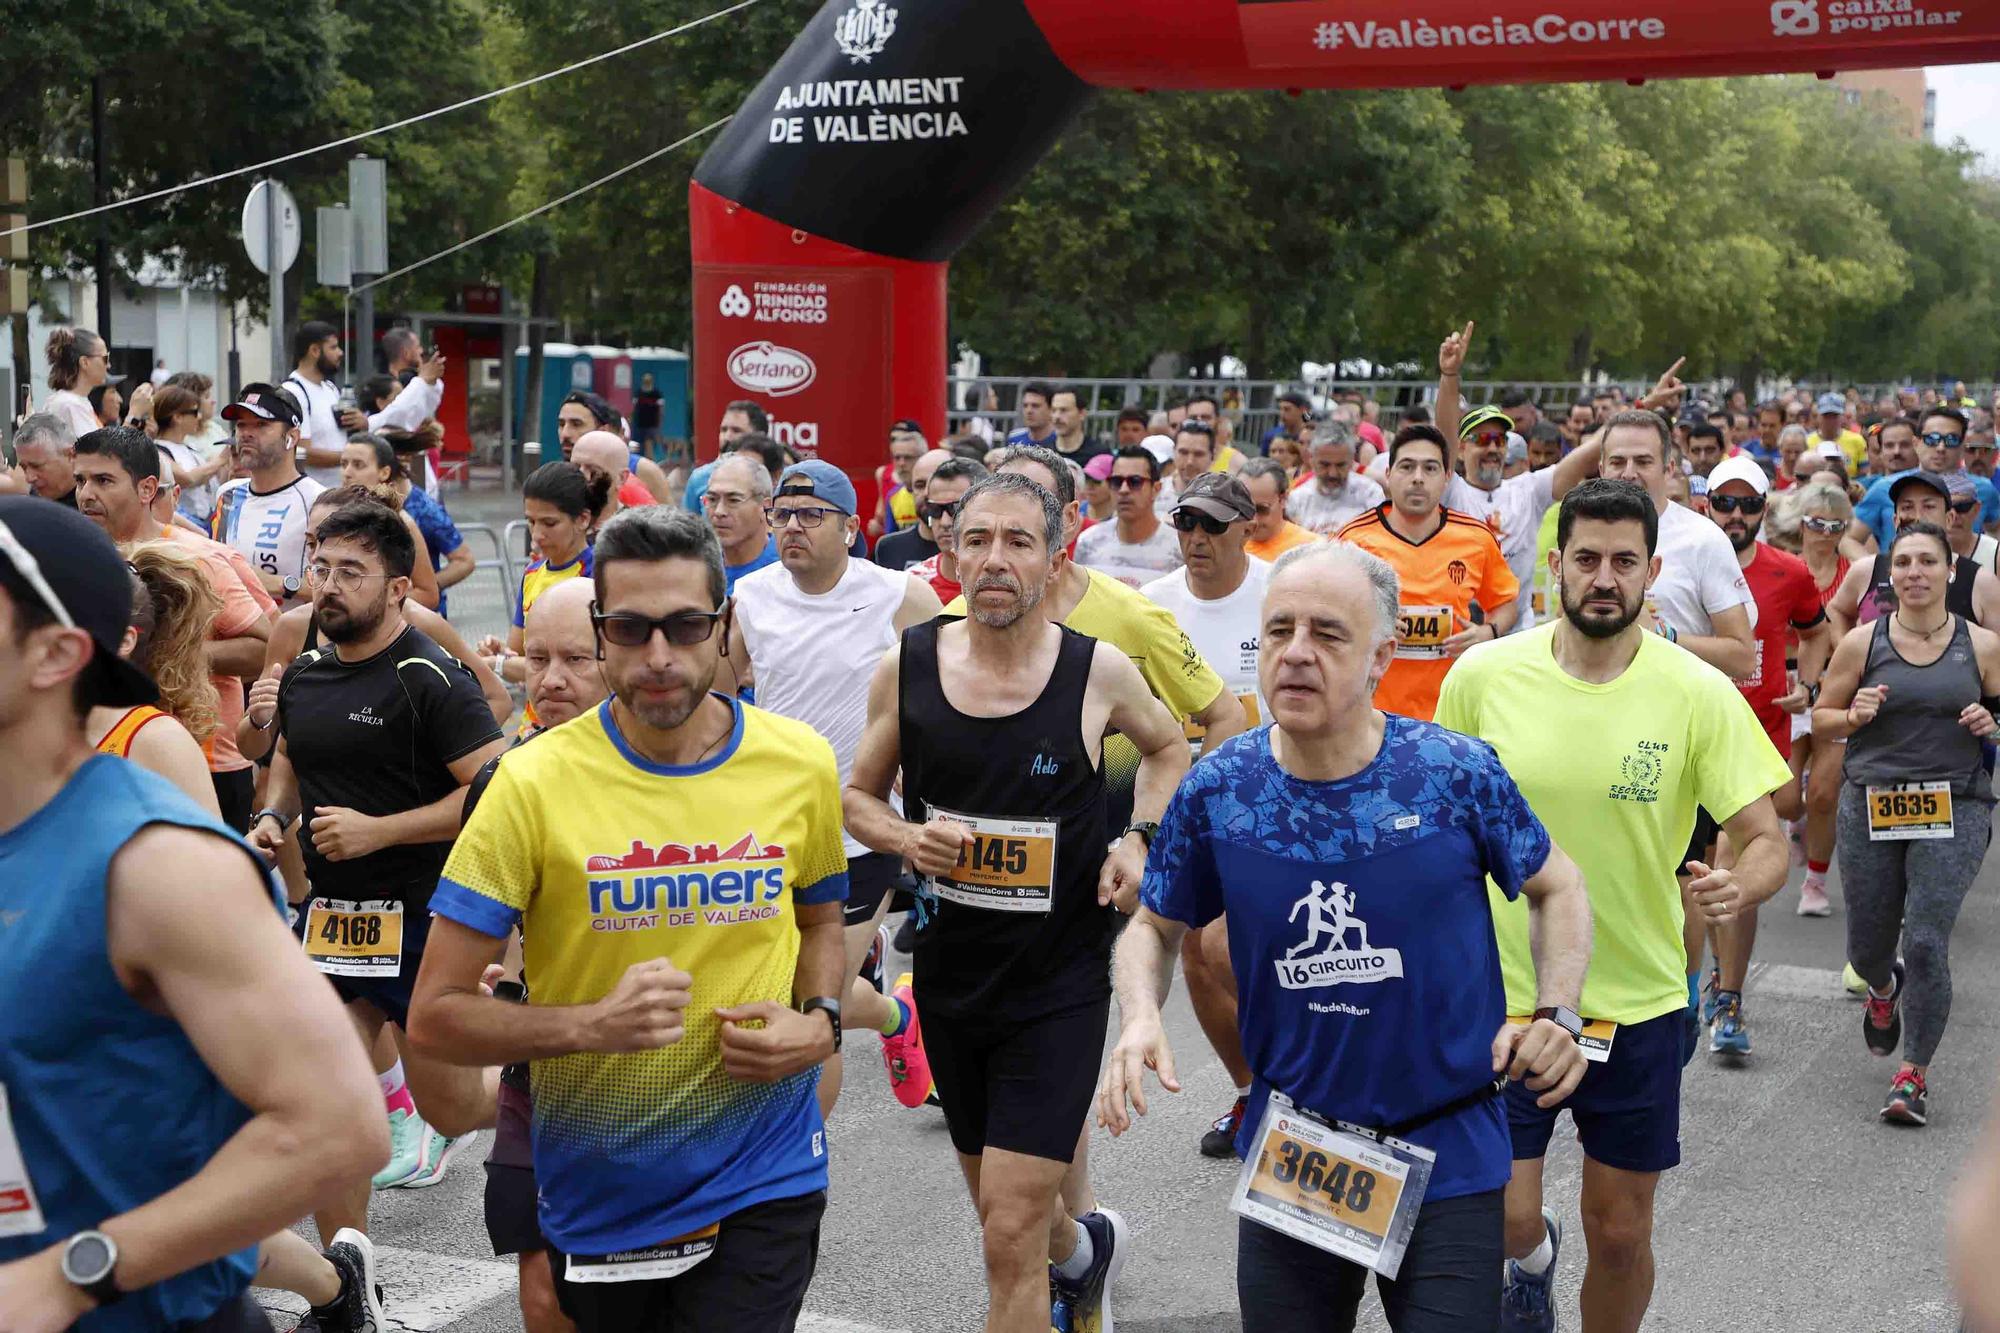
(611, 376)
(669, 369)
(565, 369)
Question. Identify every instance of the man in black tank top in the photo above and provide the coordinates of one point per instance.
(997, 724)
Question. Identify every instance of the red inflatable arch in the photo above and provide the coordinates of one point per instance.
(824, 217)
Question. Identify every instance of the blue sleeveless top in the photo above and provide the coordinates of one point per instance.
(112, 1105)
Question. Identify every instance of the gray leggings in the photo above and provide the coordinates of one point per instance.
(1911, 890)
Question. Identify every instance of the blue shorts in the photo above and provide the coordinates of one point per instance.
(1627, 1110)
(390, 994)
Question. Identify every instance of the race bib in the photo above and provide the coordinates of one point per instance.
(1008, 866)
(20, 1212)
(346, 939)
(655, 1263)
(1422, 630)
(1594, 1041)
(1341, 1188)
(1908, 811)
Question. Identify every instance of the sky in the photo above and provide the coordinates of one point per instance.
(1968, 107)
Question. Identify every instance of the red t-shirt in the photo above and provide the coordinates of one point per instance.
(1786, 599)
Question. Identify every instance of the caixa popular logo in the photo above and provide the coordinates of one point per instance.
(1795, 18)
(766, 368)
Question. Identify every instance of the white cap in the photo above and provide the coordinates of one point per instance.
(1740, 468)
(1828, 449)
(1159, 446)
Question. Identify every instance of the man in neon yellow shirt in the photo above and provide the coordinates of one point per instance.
(1833, 429)
(1667, 733)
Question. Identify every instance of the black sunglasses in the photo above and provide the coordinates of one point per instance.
(1187, 520)
(1126, 481)
(929, 512)
(628, 629)
(1965, 506)
(1948, 440)
(1733, 504)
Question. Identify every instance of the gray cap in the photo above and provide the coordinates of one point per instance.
(1218, 495)
(1918, 477)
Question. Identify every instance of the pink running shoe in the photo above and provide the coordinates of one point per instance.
(909, 1066)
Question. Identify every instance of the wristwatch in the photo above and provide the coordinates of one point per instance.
(268, 811)
(830, 1006)
(1564, 1018)
(1146, 829)
(88, 1260)
(291, 585)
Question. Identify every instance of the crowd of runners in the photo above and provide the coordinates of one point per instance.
(1450, 763)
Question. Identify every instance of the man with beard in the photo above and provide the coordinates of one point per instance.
(1786, 601)
(316, 358)
(583, 412)
(670, 925)
(379, 732)
(996, 724)
(1665, 734)
(1450, 567)
(263, 515)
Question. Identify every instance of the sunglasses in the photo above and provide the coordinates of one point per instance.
(1187, 520)
(1736, 504)
(1127, 482)
(30, 571)
(1949, 441)
(929, 512)
(809, 517)
(1827, 527)
(629, 629)
(1488, 439)
(1965, 506)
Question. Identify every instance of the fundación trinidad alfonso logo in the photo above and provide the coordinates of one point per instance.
(766, 368)
(1324, 957)
(734, 303)
(864, 30)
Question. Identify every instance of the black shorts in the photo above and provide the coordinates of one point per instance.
(1706, 830)
(870, 879)
(1627, 1110)
(755, 1280)
(512, 1223)
(1449, 1281)
(390, 994)
(1023, 1087)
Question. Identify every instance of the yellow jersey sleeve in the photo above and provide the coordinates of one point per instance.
(1734, 760)
(495, 866)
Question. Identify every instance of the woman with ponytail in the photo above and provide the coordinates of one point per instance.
(78, 363)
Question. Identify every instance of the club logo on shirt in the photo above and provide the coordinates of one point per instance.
(367, 717)
(1640, 773)
(1457, 571)
(679, 885)
(1325, 956)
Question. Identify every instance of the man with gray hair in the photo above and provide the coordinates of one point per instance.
(1350, 850)
(1007, 804)
(739, 491)
(1335, 493)
(46, 452)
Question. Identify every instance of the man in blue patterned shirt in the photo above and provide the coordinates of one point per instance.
(1350, 850)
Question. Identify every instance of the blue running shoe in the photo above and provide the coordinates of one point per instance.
(1731, 1035)
(1084, 1306)
(1527, 1303)
(1711, 996)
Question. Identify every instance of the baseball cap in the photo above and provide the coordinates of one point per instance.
(76, 572)
(1099, 468)
(1918, 477)
(1159, 446)
(1517, 449)
(1479, 416)
(1828, 449)
(905, 427)
(1958, 485)
(1218, 495)
(1831, 402)
(1740, 468)
(821, 480)
(1692, 414)
(265, 403)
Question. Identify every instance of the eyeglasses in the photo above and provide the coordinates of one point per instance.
(1126, 481)
(930, 512)
(1945, 438)
(629, 629)
(811, 516)
(1965, 506)
(340, 580)
(1826, 527)
(1733, 504)
(726, 499)
(30, 571)
(1187, 520)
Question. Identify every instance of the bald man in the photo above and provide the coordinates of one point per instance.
(600, 451)
(561, 648)
(908, 547)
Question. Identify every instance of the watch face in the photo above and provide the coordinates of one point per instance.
(87, 1259)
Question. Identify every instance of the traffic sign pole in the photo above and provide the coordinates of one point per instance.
(274, 256)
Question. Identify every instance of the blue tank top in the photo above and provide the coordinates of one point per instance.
(111, 1103)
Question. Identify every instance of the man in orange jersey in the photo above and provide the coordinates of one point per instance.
(1456, 587)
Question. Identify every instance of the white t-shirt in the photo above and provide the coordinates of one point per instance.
(1325, 511)
(1133, 564)
(1514, 511)
(1699, 575)
(197, 502)
(320, 425)
(269, 529)
(813, 655)
(73, 408)
(1224, 631)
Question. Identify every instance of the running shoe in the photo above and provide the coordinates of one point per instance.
(909, 1064)
(1909, 1100)
(1711, 996)
(878, 953)
(906, 934)
(1527, 1301)
(1882, 1020)
(1851, 981)
(1220, 1141)
(1084, 1306)
(1730, 1035)
(1813, 900)
(406, 1149)
(358, 1308)
(438, 1152)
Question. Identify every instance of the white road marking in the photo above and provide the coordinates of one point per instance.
(1786, 982)
(422, 1291)
(821, 1323)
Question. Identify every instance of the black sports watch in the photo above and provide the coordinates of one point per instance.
(829, 1006)
(1564, 1018)
(88, 1260)
(1146, 829)
(291, 584)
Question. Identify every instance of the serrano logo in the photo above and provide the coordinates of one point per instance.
(685, 885)
(1795, 18)
(734, 303)
(766, 368)
(1324, 957)
(864, 31)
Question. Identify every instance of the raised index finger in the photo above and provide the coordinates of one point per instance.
(1674, 369)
